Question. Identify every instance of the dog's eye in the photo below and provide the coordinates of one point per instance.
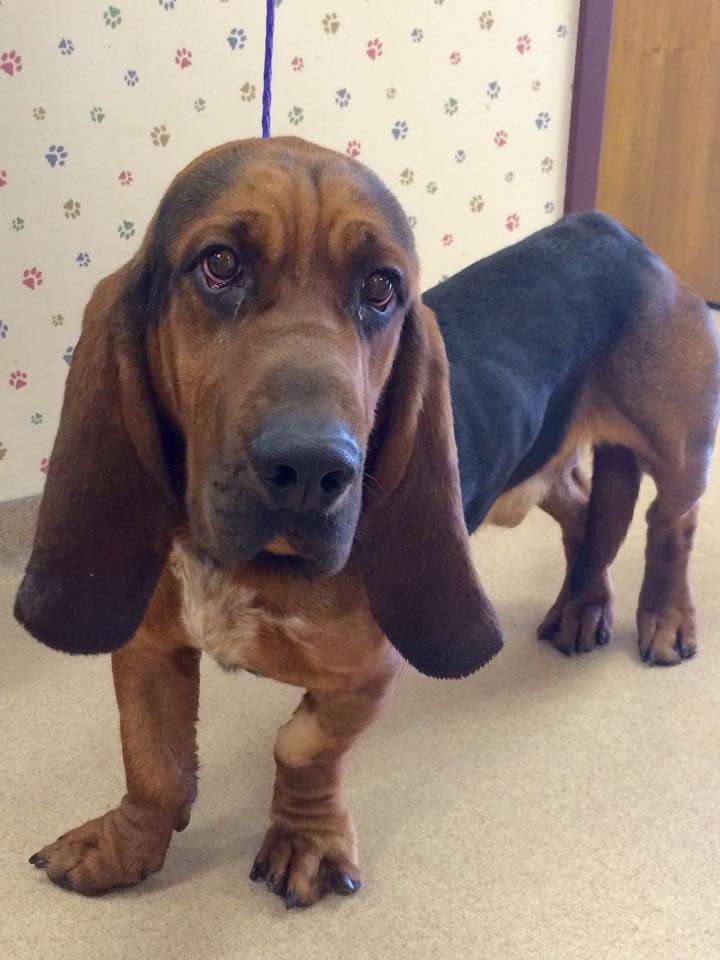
(378, 290)
(221, 267)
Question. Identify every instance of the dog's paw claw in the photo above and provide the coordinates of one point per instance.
(345, 885)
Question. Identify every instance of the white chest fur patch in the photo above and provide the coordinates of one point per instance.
(222, 616)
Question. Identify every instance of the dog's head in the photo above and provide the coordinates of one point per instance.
(263, 377)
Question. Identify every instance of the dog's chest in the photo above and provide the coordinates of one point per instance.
(228, 619)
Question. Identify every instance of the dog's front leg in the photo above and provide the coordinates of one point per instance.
(311, 847)
(156, 685)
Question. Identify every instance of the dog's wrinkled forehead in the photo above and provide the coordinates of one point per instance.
(303, 186)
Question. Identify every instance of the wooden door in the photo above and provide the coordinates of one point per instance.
(660, 159)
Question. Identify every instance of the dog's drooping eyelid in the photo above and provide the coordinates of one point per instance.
(370, 317)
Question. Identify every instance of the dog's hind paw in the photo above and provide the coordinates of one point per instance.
(666, 638)
(580, 624)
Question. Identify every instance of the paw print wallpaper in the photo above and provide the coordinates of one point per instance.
(462, 108)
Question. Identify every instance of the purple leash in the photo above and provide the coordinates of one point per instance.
(267, 69)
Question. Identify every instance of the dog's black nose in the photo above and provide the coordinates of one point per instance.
(305, 466)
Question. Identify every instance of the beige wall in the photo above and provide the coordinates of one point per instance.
(481, 118)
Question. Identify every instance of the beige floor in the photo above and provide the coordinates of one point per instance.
(544, 808)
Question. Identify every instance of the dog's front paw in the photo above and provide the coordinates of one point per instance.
(118, 849)
(301, 867)
(666, 637)
(580, 624)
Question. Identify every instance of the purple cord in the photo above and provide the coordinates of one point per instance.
(267, 69)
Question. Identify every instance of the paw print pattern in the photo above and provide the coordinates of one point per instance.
(56, 155)
(44, 465)
(562, 30)
(237, 38)
(112, 17)
(183, 58)
(521, 68)
(3, 451)
(18, 379)
(542, 120)
(159, 136)
(296, 115)
(3, 178)
(400, 130)
(36, 418)
(486, 20)
(68, 355)
(32, 278)
(10, 63)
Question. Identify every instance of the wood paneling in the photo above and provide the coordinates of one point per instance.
(660, 163)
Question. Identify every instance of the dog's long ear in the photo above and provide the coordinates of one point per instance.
(419, 573)
(106, 516)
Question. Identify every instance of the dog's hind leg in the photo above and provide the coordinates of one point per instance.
(566, 502)
(666, 382)
(593, 530)
(666, 613)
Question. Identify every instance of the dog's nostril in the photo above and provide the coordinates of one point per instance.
(283, 477)
(332, 481)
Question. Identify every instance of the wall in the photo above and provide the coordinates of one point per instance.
(462, 108)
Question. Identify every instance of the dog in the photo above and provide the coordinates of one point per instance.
(257, 458)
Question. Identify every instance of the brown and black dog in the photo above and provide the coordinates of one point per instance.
(256, 458)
